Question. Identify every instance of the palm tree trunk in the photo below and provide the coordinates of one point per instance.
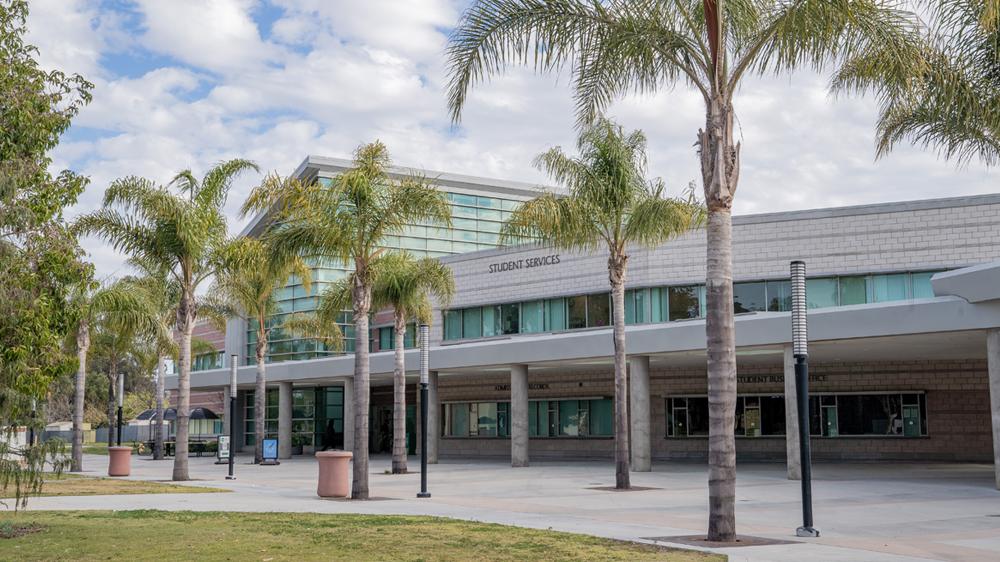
(185, 321)
(399, 398)
(362, 296)
(260, 398)
(161, 371)
(80, 394)
(720, 171)
(616, 274)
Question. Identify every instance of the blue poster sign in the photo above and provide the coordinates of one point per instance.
(270, 449)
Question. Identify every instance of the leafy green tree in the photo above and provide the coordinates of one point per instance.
(406, 284)
(252, 270)
(953, 102)
(611, 206)
(115, 309)
(348, 220)
(620, 46)
(39, 258)
(180, 229)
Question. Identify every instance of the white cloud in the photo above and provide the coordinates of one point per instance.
(329, 75)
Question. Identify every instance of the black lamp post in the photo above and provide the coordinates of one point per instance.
(121, 402)
(31, 423)
(233, 360)
(800, 339)
(424, 375)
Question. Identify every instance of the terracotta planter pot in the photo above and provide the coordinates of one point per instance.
(334, 474)
(119, 461)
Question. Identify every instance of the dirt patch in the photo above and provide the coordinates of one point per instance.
(701, 540)
(9, 530)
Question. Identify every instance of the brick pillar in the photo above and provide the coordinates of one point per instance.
(793, 460)
(639, 410)
(518, 415)
(284, 420)
(993, 366)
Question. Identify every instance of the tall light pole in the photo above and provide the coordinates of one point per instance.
(800, 340)
(233, 360)
(121, 402)
(424, 376)
(31, 423)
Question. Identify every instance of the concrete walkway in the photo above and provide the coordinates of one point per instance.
(870, 512)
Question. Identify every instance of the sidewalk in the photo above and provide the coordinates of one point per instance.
(870, 512)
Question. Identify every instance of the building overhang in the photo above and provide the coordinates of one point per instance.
(907, 328)
(978, 283)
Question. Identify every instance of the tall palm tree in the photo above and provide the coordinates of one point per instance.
(953, 103)
(181, 228)
(252, 269)
(94, 305)
(406, 284)
(349, 220)
(611, 205)
(622, 46)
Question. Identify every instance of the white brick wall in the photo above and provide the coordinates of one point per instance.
(877, 238)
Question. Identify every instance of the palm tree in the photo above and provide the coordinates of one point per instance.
(252, 269)
(610, 206)
(349, 220)
(952, 104)
(622, 46)
(405, 284)
(180, 232)
(111, 306)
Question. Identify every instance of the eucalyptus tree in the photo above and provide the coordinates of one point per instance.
(111, 307)
(953, 103)
(623, 46)
(407, 284)
(348, 220)
(252, 270)
(611, 206)
(180, 228)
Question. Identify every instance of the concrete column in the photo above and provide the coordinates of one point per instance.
(793, 461)
(284, 420)
(433, 417)
(993, 366)
(639, 410)
(518, 415)
(349, 414)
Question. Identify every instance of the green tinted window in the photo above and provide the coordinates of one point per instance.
(889, 287)
(491, 321)
(489, 202)
(472, 323)
(779, 296)
(577, 307)
(601, 417)
(748, 297)
(462, 199)
(532, 317)
(684, 303)
(599, 310)
(922, 288)
(510, 318)
(555, 314)
(853, 290)
(821, 293)
(658, 299)
(453, 324)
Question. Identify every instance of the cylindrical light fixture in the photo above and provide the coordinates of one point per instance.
(800, 340)
(234, 360)
(31, 423)
(425, 346)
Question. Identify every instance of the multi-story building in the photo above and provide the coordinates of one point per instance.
(904, 327)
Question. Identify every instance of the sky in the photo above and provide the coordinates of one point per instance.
(184, 84)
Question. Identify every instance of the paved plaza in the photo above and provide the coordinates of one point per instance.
(876, 512)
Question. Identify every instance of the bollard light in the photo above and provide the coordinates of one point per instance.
(800, 341)
(424, 376)
(121, 403)
(233, 364)
(31, 423)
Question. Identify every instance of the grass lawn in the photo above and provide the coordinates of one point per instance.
(78, 485)
(162, 535)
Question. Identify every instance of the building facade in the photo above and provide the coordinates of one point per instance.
(904, 318)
